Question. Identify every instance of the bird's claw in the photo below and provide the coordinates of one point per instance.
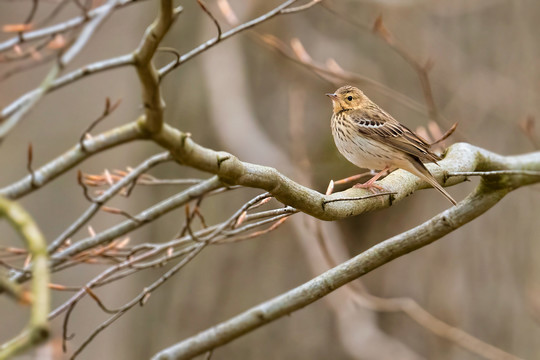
(372, 187)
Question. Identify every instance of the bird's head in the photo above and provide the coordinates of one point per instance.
(347, 98)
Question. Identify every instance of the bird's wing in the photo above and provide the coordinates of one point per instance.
(386, 129)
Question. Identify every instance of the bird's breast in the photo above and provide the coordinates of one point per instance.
(362, 151)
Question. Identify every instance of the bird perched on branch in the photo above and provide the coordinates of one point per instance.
(370, 138)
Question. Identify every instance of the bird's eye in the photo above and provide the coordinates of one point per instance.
(349, 98)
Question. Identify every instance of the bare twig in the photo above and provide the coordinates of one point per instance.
(301, 7)
(209, 13)
(107, 248)
(117, 211)
(208, 44)
(170, 50)
(70, 158)
(140, 297)
(59, 28)
(64, 59)
(113, 190)
(83, 186)
(67, 79)
(32, 13)
(142, 218)
(106, 112)
(446, 135)
(30, 158)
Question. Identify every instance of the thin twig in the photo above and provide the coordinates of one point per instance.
(301, 7)
(117, 211)
(59, 28)
(85, 189)
(106, 112)
(71, 158)
(144, 217)
(30, 158)
(209, 13)
(446, 135)
(106, 196)
(32, 13)
(210, 43)
(65, 58)
(138, 298)
(67, 79)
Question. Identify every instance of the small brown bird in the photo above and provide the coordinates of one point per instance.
(370, 138)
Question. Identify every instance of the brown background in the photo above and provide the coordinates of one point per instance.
(236, 97)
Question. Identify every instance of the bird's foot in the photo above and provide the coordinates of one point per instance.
(330, 188)
(369, 185)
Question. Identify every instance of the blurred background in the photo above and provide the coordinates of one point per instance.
(246, 98)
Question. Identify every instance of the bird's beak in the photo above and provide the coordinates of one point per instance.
(332, 96)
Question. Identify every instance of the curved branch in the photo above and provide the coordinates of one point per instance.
(459, 157)
(38, 329)
(483, 198)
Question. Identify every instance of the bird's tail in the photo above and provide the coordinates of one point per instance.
(422, 172)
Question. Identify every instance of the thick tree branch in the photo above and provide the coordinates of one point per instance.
(38, 329)
(459, 157)
(148, 75)
(483, 198)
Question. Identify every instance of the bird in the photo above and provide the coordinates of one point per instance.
(371, 138)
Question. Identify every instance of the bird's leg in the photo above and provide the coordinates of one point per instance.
(370, 184)
(330, 188)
